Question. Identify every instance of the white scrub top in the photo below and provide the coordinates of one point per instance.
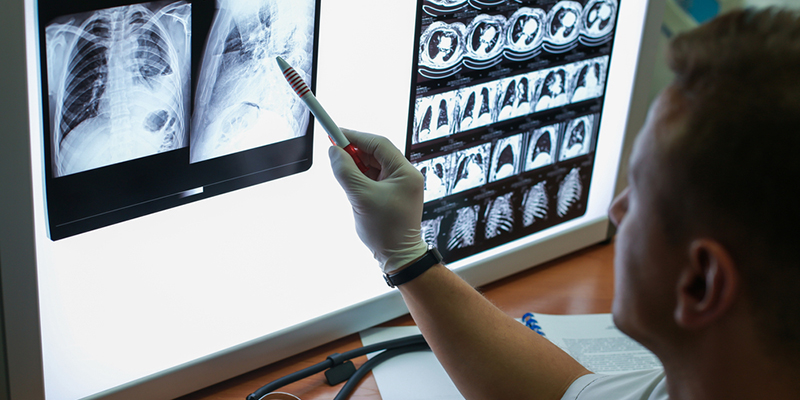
(639, 385)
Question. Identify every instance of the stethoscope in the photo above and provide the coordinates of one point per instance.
(338, 367)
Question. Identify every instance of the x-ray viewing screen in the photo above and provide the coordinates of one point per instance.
(505, 105)
(166, 220)
(151, 105)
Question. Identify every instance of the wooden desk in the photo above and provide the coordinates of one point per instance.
(580, 283)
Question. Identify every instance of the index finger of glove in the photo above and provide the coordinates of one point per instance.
(345, 170)
(379, 151)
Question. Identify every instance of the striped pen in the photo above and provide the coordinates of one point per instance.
(334, 133)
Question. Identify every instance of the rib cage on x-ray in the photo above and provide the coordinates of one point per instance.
(569, 192)
(499, 216)
(462, 232)
(242, 100)
(429, 229)
(119, 82)
(534, 204)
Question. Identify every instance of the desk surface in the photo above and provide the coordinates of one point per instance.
(580, 283)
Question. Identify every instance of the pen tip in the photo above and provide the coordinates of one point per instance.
(281, 63)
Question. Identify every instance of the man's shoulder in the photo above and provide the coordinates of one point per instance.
(637, 385)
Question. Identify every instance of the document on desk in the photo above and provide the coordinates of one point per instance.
(591, 338)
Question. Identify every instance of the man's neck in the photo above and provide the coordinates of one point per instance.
(729, 366)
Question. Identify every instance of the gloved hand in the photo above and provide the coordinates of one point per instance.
(387, 200)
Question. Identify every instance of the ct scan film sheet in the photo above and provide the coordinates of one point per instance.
(151, 105)
(505, 105)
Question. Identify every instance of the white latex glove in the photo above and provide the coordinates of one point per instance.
(387, 200)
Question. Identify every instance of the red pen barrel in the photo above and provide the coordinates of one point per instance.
(350, 149)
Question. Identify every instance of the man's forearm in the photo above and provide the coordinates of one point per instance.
(488, 354)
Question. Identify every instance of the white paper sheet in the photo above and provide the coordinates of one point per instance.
(592, 339)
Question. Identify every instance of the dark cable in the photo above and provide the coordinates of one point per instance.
(389, 344)
(328, 363)
(373, 362)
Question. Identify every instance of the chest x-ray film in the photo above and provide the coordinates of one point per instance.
(150, 105)
(119, 84)
(243, 101)
(505, 105)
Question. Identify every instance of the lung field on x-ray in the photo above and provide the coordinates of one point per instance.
(242, 100)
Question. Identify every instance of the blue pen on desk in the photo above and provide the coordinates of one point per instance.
(530, 321)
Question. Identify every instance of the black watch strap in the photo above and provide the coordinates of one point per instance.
(431, 258)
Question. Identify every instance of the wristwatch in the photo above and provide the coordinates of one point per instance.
(431, 258)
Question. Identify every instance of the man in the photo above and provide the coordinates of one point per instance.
(706, 275)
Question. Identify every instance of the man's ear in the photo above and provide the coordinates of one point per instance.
(708, 285)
